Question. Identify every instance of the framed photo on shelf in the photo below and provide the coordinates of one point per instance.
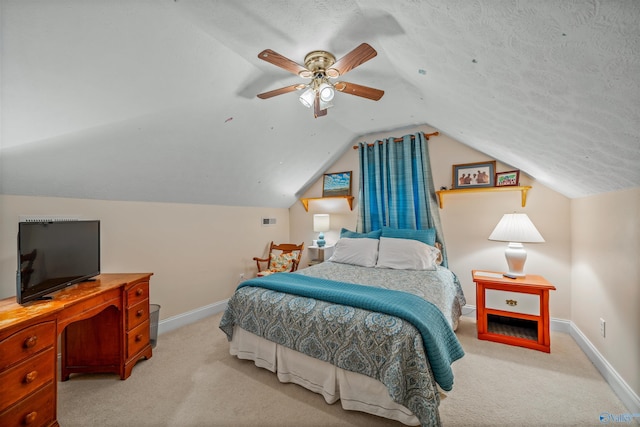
(336, 184)
(474, 175)
(505, 179)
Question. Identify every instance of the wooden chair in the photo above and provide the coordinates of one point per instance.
(285, 259)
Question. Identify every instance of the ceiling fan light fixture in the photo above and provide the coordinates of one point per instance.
(326, 92)
(320, 66)
(307, 98)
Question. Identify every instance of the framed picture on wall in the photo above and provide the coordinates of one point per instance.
(336, 184)
(504, 179)
(473, 175)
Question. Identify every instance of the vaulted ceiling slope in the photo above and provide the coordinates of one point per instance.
(154, 100)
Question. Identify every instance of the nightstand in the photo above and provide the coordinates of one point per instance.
(320, 254)
(513, 311)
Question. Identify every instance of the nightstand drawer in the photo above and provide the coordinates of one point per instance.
(515, 302)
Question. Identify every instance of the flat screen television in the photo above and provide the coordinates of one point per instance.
(54, 255)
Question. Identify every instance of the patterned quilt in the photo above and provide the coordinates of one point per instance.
(372, 343)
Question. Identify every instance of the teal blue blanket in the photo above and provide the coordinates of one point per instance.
(441, 344)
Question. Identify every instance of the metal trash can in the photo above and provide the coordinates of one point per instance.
(154, 317)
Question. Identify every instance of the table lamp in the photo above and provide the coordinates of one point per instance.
(320, 225)
(516, 228)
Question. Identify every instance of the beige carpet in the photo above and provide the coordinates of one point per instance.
(191, 380)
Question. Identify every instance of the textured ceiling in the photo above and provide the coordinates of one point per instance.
(154, 100)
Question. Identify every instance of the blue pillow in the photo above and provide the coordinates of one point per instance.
(353, 235)
(427, 236)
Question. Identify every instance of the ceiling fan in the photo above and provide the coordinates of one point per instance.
(321, 66)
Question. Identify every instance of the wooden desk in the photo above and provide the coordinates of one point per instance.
(104, 327)
(513, 311)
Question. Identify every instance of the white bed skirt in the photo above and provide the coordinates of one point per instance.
(356, 392)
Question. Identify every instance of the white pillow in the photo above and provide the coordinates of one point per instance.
(406, 254)
(356, 251)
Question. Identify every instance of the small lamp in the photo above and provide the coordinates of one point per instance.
(320, 225)
(516, 228)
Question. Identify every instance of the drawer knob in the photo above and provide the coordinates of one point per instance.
(31, 341)
(139, 313)
(511, 302)
(30, 377)
(138, 292)
(138, 337)
(30, 418)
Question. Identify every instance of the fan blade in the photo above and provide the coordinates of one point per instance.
(317, 112)
(359, 90)
(280, 91)
(351, 60)
(285, 63)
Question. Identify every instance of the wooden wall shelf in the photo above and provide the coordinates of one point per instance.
(523, 190)
(306, 200)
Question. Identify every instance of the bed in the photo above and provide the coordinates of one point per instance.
(357, 328)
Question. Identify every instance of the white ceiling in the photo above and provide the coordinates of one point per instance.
(154, 100)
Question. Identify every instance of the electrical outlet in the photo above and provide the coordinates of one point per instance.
(241, 276)
(602, 327)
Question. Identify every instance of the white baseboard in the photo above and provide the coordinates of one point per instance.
(628, 397)
(183, 319)
(560, 325)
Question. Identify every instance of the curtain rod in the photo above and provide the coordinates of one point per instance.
(426, 135)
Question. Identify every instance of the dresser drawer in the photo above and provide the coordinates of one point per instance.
(26, 342)
(138, 293)
(514, 302)
(137, 314)
(137, 339)
(35, 411)
(18, 381)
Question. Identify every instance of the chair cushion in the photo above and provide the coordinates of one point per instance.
(282, 262)
(264, 273)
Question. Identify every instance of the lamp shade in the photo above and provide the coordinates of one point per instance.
(321, 223)
(516, 227)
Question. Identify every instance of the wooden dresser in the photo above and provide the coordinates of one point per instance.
(104, 327)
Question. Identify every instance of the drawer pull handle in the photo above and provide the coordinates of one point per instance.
(31, 341)
(30, 377)
(139, 313)
(138, 292)
(138, 337)
(30, 418)
(511, 302)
